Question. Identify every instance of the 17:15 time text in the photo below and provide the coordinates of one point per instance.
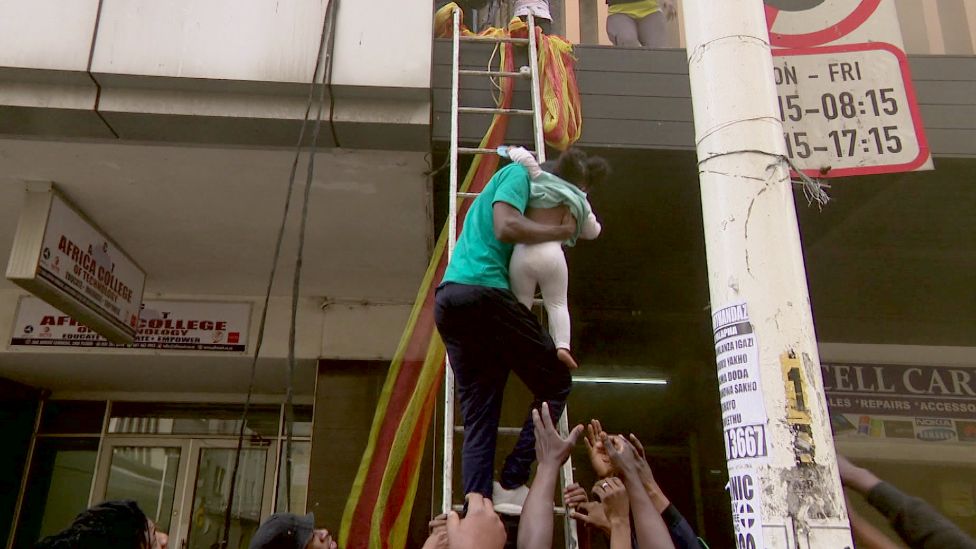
(846, 142)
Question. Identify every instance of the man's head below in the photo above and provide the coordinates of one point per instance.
(291, 531)
(120, 524)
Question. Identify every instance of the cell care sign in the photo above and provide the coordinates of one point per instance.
(66, 260)
(846, 97)
(163, 324)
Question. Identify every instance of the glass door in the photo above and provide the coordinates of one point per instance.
(151, 472)
(209, 490)
(183, 485)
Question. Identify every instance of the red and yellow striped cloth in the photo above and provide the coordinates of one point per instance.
(377, 514)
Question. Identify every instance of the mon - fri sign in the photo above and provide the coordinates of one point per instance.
(845, 92)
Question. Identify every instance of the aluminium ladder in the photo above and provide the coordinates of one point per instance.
(449, 427)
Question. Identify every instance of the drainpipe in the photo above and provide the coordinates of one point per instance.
(784, 484)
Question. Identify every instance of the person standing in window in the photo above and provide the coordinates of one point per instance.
(639, 23)
(539, 9)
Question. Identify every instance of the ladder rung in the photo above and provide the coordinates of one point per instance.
(469, 72)
(476, 150)
(558, 509)
(501, 430)
(494, 110)
(468, 195)
(479, 150)
(508, 39)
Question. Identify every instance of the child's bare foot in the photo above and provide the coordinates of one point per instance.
(567, 358)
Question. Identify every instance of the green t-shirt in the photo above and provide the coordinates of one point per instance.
(479, 258)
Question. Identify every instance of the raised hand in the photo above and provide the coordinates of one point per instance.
(646, 476)
(613, 495)
(551, 450)
(550, 447)
(624, 458)
(574, 495)
(650, 530)
(854, 477)
(438, 533)
(599, 458)
(480, 529)
(616, 503)
(593, 514)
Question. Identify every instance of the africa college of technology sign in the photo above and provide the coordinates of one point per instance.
(66, 260)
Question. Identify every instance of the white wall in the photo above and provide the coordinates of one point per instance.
(46, 34)
(262, 40)
(387, 43)
(384, 43)
(365, 332)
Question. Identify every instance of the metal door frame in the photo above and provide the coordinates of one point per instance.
(190, 449)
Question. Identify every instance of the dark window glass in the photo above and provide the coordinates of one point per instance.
(58, 487)
(302, 423)
(73, 417)
(152, 418)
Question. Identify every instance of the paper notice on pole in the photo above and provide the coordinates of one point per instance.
(737, 358)
(746, 496)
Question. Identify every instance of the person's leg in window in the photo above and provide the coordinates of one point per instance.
(622, 31)
(652, 31)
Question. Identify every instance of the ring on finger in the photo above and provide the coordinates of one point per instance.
(606, 485)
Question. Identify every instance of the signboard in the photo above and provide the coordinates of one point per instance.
(169, 325)
(923, 403)
(846, 98)
(63, 258)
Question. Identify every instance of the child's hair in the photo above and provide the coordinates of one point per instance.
(597, 171)
(571, 166)
(581, 170)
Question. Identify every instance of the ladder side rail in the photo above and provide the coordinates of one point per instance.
(448, 458)
(570, 532)
(540, 142)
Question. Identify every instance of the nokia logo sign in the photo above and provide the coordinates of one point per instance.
(936, 435)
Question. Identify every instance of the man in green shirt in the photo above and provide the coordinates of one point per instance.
(488, 333)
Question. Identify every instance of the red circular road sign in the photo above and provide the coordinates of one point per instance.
(843, 27)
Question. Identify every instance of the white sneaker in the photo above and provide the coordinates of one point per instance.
(508, 502)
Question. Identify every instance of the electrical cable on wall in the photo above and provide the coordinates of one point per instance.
(323, 62)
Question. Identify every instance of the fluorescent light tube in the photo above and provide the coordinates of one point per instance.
(622, 380)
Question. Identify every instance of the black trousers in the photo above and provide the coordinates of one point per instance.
(488, 334)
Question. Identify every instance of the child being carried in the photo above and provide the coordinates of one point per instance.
(552, 196)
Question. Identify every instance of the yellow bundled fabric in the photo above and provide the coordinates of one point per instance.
(562, 114)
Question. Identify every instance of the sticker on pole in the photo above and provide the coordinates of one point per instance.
(746, 495)
(737, 359)
(846, 97)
